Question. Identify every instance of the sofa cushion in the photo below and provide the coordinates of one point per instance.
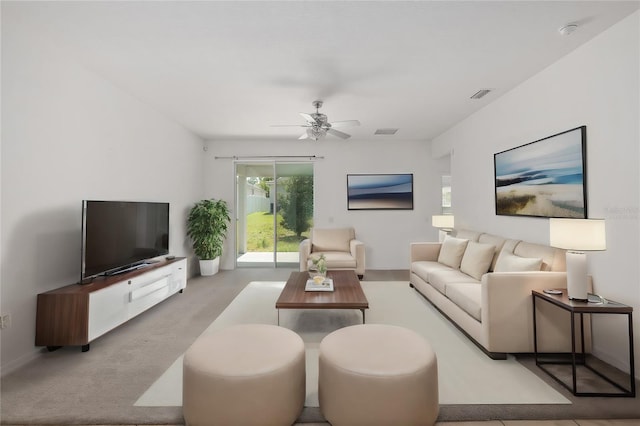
(553, 259)
(441, 278)
(451, 251)
(423, 268)
(477, 259)
(331, 239)
(467, 296)
(496, 241)
(467, 234)
(335, 259)
(508, 262)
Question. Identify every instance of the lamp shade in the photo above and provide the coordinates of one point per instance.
(442, 221)
(577, 234)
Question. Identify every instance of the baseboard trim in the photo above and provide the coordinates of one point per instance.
(20, 362)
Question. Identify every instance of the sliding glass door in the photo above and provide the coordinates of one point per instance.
(274, 205)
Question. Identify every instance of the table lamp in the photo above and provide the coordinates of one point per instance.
(444, 222)
(577, 236)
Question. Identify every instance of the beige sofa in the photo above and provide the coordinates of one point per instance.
(339, 246)
(483, 284)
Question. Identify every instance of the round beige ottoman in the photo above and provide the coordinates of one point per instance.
(250, 374)
(377, 374)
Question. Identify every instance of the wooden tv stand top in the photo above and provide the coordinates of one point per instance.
(98, 283)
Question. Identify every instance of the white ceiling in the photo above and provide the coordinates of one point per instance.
(228, 70)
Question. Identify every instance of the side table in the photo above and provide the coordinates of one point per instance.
(579, 358)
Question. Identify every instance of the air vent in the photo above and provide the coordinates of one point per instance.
(480, 93)
(386, 131)
(568, 29)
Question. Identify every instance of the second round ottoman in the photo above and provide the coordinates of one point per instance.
(376, 374)
(250, 374)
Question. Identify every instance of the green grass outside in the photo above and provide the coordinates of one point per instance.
(260, 234)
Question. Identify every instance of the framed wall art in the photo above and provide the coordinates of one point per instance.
(380, 191)
(544, 178)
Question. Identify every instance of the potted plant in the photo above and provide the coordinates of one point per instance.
(318, 269)
(207, 226)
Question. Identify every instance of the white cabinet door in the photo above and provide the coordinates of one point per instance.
(108, 308)
(119, 302)
(178, 277)
(149, 289)
(147, 296)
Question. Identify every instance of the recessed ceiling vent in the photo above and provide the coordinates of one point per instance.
(386, 131)
(568, 29)
(480, 93)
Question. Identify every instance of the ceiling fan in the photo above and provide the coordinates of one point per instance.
(317, 125)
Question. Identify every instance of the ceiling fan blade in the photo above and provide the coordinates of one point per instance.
(308, 117)
(289, 125)
(304, 136)
(345, 123)
(338, 133)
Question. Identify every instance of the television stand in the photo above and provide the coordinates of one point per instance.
(77, 314)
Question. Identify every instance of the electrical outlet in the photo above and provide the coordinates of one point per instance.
(5, 321)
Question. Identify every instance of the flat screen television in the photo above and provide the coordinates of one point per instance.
(119, 235)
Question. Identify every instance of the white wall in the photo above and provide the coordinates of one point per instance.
(598, 86)
(69, 135)
(386, 233)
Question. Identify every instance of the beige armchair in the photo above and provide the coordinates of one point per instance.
(339, 246)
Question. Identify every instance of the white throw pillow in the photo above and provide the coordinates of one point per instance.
(451, 251)
(477, 259)
(508, 262)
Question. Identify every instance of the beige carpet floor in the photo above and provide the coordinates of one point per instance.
(100, 387)
(466, 374)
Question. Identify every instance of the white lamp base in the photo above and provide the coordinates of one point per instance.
(577, 275)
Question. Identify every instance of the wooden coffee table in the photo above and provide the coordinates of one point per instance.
(347, 293)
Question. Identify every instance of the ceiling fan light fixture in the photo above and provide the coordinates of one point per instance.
(316, 133)
(317, 125)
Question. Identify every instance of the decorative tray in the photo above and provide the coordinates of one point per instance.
(326, 285)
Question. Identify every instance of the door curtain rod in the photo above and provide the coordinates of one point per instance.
(258, 157)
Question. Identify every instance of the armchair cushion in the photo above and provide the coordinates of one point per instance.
(336, 259)
(339, 246)
(335, 239)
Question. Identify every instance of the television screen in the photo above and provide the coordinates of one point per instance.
(119, 234)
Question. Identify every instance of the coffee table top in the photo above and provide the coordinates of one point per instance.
(347, 293)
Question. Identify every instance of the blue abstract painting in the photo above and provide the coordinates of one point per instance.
(380, 192)
(544, 178)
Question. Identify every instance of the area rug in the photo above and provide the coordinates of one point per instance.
(466, 375)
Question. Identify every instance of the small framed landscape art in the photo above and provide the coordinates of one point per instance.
(544, 178)
(380, 191)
